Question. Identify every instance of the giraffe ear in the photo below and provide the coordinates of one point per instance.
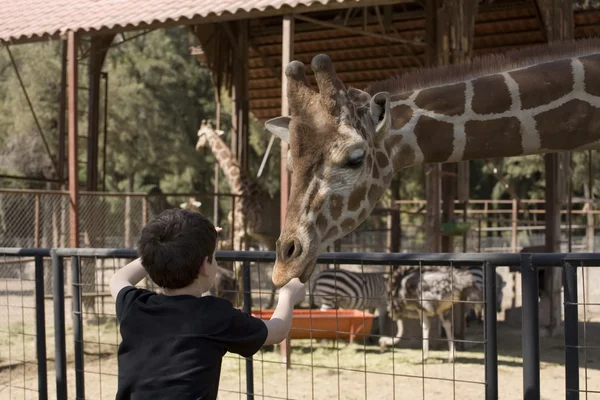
(279, 127)
(380, 111)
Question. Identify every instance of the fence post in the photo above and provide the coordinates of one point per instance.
(571, 332)
(77, 328)
(40, 328)
(60, 351)
(248, 310)
(530, 325)
(491, 341)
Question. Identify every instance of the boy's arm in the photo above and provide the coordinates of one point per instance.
(129, 275)
(281, 321)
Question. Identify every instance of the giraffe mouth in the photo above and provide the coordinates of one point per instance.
(308, 270)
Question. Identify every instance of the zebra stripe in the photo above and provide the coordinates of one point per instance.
(350, 290)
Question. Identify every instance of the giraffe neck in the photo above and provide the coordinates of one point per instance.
(228, 164)
(545, 107)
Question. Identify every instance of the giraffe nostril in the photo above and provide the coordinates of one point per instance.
(292, 249)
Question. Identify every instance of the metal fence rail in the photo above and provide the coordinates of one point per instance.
(95, 370)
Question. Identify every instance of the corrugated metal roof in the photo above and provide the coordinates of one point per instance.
(360, 60)
(32, 19)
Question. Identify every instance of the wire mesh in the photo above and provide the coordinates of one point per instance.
(20, 352)
(34, 219)
(337, 351)
(339, 361)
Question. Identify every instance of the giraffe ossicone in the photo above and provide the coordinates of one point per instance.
(345, 144)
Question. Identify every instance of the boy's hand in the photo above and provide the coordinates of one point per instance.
(294, 290)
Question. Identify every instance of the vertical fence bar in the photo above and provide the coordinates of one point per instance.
(58, 281)
(248, 310)
(571, 332)
(40, 328)
(491, 340)
(77, 329)
(530, 324)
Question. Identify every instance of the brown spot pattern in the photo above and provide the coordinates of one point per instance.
(400, 96)
(435, 138)
(591, 68)
(356, 197)
(400, 116)
(382, 159)
(491, 137)
(375, 173)
(347, 225)
(490, 95)
(363, 214)
(575, 123)
(317, 203)
(447, 100)
(543, 83)
(335, 206)
(331, 233)
(387, 179)
(321, 223)
(374, 194)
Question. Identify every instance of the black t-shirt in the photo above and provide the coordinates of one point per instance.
(172, 346)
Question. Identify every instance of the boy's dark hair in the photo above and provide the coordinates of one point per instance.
(173, 246)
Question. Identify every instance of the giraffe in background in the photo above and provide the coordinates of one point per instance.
(255, 216)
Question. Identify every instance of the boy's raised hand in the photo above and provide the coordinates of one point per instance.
(295, 290)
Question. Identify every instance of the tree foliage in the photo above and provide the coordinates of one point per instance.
(158, 94)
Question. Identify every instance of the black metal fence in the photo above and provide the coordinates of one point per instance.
(83, 347)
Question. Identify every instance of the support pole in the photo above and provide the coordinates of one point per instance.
(72, 47)
(557, 24)
(287, 54)
(99, 47)
(62, 120)
(450, 26)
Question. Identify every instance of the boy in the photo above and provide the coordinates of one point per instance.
(173, 343)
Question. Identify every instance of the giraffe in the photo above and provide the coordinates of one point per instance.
(346, 144)
(191, 204)
(256, 222)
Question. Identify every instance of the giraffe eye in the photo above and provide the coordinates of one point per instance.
(356, 159)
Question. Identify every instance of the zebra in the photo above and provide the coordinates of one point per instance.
(426, 292)
(338, 288)
(474, 312)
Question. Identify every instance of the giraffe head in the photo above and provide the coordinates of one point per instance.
(191, 204)
(339, 165)
(205, 130)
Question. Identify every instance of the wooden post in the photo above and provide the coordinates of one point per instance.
(557, 24)
(449, 29)
(73, 45)
(515, 225)
(287, 54)
(216, 177)
(98, 49)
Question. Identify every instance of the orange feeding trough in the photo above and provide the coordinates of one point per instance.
(329, 324)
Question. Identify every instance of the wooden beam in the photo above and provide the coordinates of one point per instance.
(98, 49)
(72, 80)
(357, 31)
(287, 55)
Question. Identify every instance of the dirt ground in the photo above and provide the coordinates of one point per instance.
(320, 370)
